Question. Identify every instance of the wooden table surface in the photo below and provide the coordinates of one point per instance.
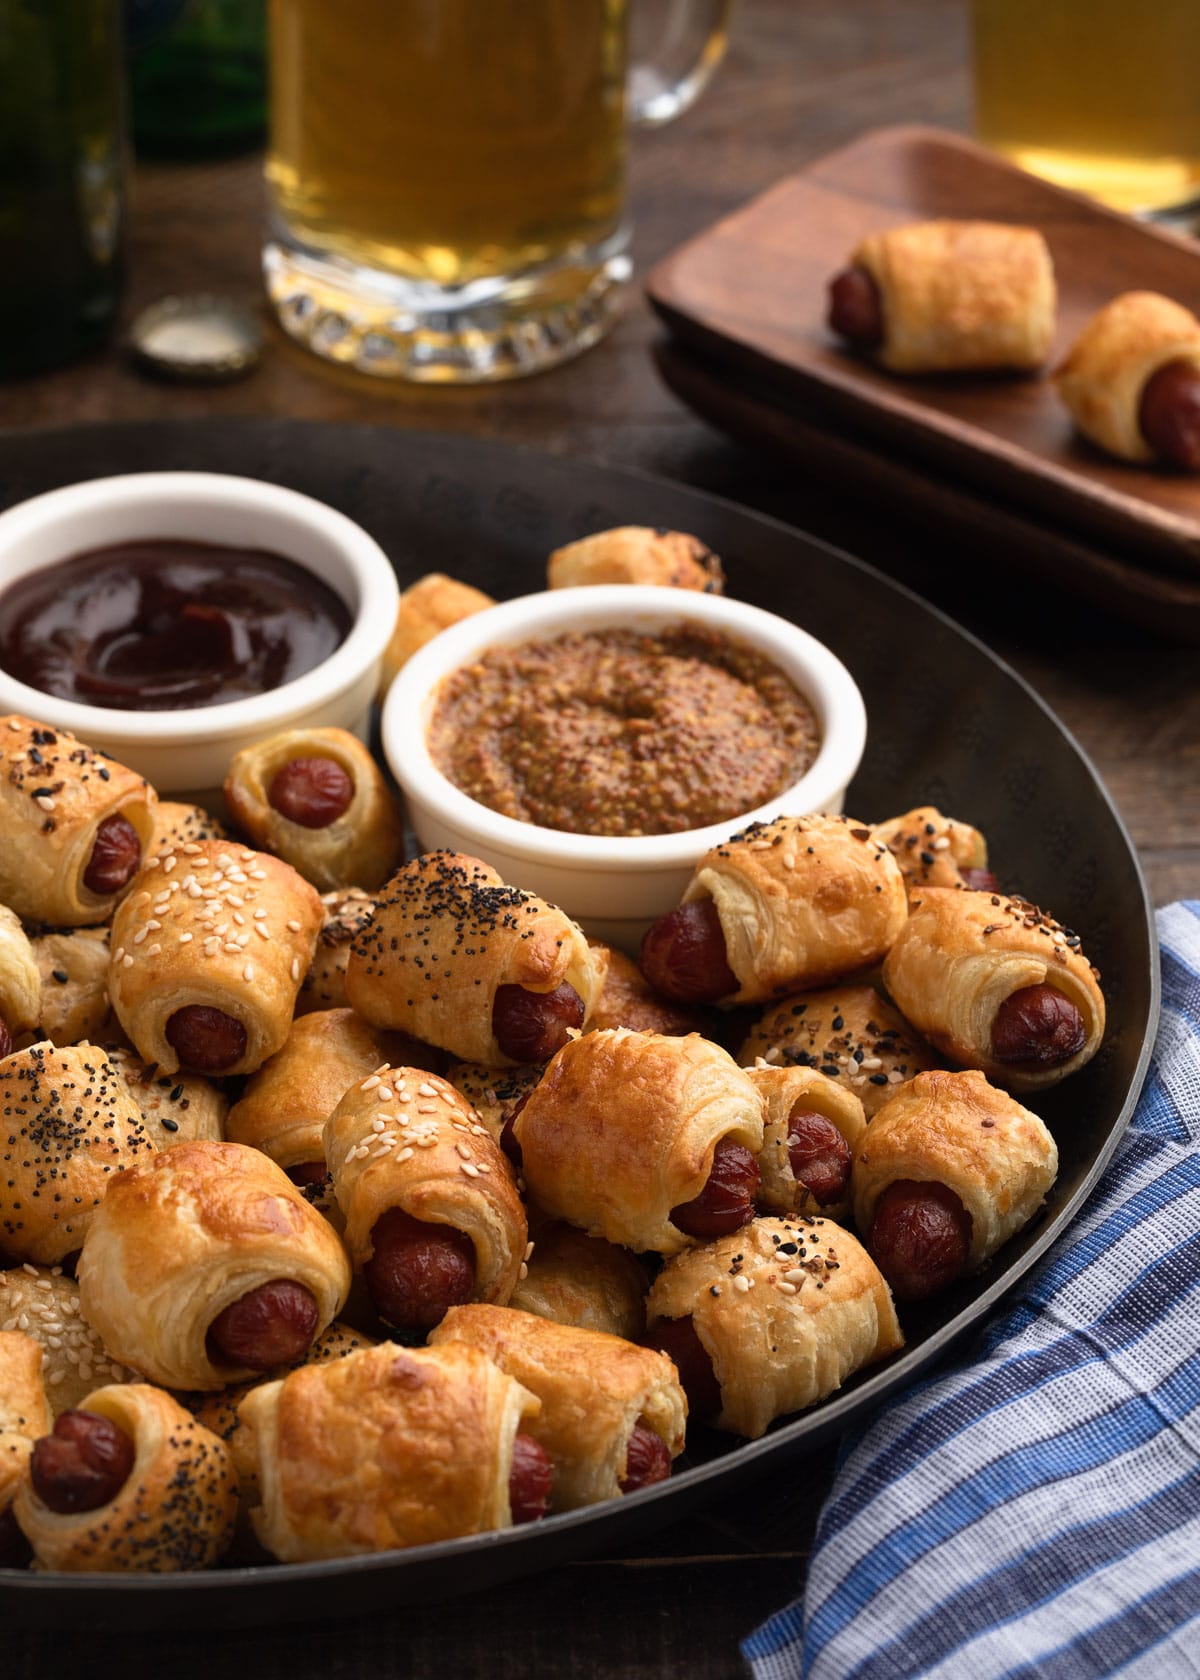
(799, 80)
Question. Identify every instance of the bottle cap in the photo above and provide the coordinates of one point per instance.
(202, 338)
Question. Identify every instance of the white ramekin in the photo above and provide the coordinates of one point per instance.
(613, 887)
(189, 751)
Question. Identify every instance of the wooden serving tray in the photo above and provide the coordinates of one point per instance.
(749, 295)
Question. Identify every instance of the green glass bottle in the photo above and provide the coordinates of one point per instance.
(199, 84)
(62, 175)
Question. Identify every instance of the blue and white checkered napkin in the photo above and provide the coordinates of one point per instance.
(1035, 1513)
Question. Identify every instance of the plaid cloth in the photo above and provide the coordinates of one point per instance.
(1034, 1513)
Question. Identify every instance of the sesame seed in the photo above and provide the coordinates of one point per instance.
(742, 1284)
(186, 938)
(293, 926)
(463, 1151)
(785, 1287)
(295, 968)
(369, 1084)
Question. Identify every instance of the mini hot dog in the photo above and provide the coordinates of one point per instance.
(1131, 381)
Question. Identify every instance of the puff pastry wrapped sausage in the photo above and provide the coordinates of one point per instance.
(207, 1266)
(779, 907)
(637, 554)
(431, 1208)
(173, 1508)
(1130, 380)
(386, 1448)
(68, 1129)
(948, 297)
(613, 1415)
(995, 984)
(783, 1313)
(953, 1158)
(936, 851)
(74, 825)
(317, 799)
(208, 955)
(627, 1132)
(489, 972)
(813, 1127)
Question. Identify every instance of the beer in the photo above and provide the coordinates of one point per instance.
(1099, 95)
(448, 141)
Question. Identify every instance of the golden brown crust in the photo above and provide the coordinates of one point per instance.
(287, 1102)
(426, 1457)
(219, 1411)
(961, 954)
(494, 1092)
(43, 1303)
(346, 914)
(627, 999)
(69, 1128)
(932, 850)
(956, 1129)
(623, 1128)
(24, 1412)
(175, 1510)
(961, 296)
(849, 1033)
(185, 1237)
(54, 794)
(176, 825)
(72, 966)
(593, 1388)
(1103, 376)
(217, 926)
(403, 1138)
(801, 901)
(637, 554)
(785, 1089)
(446, 934)
(360, 848)
(576, 1279)
(175, 1107)
(20, 976)
(785, 1309)
(429, 605)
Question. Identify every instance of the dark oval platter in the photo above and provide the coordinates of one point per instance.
(949, 725)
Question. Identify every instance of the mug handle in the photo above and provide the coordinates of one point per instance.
(675, 46)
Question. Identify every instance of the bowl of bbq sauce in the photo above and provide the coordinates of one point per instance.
(170, 618)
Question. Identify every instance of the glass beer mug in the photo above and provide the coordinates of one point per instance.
(446, 178)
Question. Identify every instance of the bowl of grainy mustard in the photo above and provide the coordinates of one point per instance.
(593, 744)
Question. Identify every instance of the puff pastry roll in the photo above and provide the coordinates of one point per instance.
(1130, 380)
(68, 1129)
(177, 825)
(997, 985)
(814, 1125)
(209, 1266)
(432, 1212)
(346, 914)
(24, 1415)
(948, 297)
(390, 1447)
(948, 1171)
(20, 981)
(771, 1320)
(317, 799)
(493, 1092)
(935, 851)
(43, 1303)
(488, 972)
(432, 604)
(72, 968)
(779, 907)
(73, 825)
(208, 955)
(175, 1107)
(165, 1499)
(637, 554)
(643, 1140)
(583, 1281)
(627, 999)
(613, 1415)
(848, 1033)
(287, 1102)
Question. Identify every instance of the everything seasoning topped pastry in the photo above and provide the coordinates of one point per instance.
(935, 851)
(456, 958)
(948, 297)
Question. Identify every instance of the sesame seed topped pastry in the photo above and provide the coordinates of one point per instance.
(176, 824)
(69, 1127)
(848, 1033)
(770, 1320)
(935, 851)
(208, 953)
(74, 826)
(43, 1303)
(164, 1498)
(779, 907)
(996, 984)
(489, 972)
(637, 554)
